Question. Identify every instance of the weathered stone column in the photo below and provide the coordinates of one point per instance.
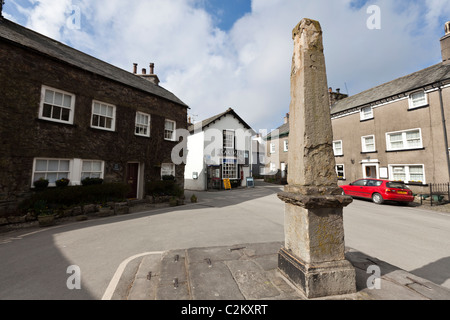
(313, 258)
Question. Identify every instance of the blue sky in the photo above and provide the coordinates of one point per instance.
(227, 12)
(216, 54)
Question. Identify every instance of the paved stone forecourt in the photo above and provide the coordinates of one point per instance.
(249, 272)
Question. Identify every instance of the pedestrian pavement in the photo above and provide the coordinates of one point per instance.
(249, 272)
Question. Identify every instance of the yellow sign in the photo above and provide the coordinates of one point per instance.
(227, 184)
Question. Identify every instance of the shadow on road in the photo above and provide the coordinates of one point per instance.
(33, 266)
(437, 272)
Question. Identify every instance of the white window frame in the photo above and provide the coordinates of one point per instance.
(168, 171)
(229, 136)
(404, 140)
(407, 168)
(272, 148)
(140, 125)
(343, 171)
(113, 117)
(286, 145)
(226, 172)
(62, 106)
(364, 144)
(173, 138)
(273, 167)
(335, 150)
(413, 103)
(60, 173)
(366, 115)
(92, 173)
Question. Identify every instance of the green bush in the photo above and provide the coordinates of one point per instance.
(41, 184)
(62, 182)
(69, 196)
(164, 188)
(91, 181)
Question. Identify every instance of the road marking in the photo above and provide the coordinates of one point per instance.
(116, 278)
(11, 239)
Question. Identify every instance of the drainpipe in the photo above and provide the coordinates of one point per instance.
(445, 129)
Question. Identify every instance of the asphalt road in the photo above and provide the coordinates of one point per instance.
(33, 263)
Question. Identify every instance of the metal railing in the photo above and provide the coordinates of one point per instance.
(438, 191)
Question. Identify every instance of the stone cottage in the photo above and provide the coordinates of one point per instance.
(66, 114)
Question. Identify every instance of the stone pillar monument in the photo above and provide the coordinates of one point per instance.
(313, 258)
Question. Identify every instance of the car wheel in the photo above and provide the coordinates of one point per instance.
(377, 198)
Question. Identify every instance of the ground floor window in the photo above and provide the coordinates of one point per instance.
(92, 169)
(408, 173)
(229, 169)
(167, 169)
(262, 170)
(340, 170)
(273, 167)
(76, 170)
(51, 170)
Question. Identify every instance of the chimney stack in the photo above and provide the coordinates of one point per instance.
(445, 45)
(336, 96)
(152, 77)
(1, 8)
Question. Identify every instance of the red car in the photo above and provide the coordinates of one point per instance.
(379, 191)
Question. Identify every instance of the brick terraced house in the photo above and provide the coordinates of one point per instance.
(65, 114)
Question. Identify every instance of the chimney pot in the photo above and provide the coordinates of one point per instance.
(144, 71)
(445, 44)
(330, 89)
(135, 65)
(152, 67)
(338, 90)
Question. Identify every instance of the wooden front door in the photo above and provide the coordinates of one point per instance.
(132, 179)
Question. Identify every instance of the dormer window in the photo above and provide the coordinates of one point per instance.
(366, 113)
(418, 99)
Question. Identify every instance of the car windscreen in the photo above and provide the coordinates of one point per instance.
(396, 185)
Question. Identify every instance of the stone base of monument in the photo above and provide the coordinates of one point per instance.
(313, 258)
(320, 280)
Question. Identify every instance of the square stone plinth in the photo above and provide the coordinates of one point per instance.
(319, 280)
(315, 235)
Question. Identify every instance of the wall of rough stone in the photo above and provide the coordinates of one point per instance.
(24, 137)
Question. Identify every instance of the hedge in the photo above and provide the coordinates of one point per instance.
(70, 196)
(164, 188)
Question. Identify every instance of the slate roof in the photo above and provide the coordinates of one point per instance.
(282, 132)
(394, 89)
(211, 120)
(29, 39)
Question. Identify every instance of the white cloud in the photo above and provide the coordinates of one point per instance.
(248, 68)
(49, 16)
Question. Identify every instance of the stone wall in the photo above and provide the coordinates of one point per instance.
(24, 137)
